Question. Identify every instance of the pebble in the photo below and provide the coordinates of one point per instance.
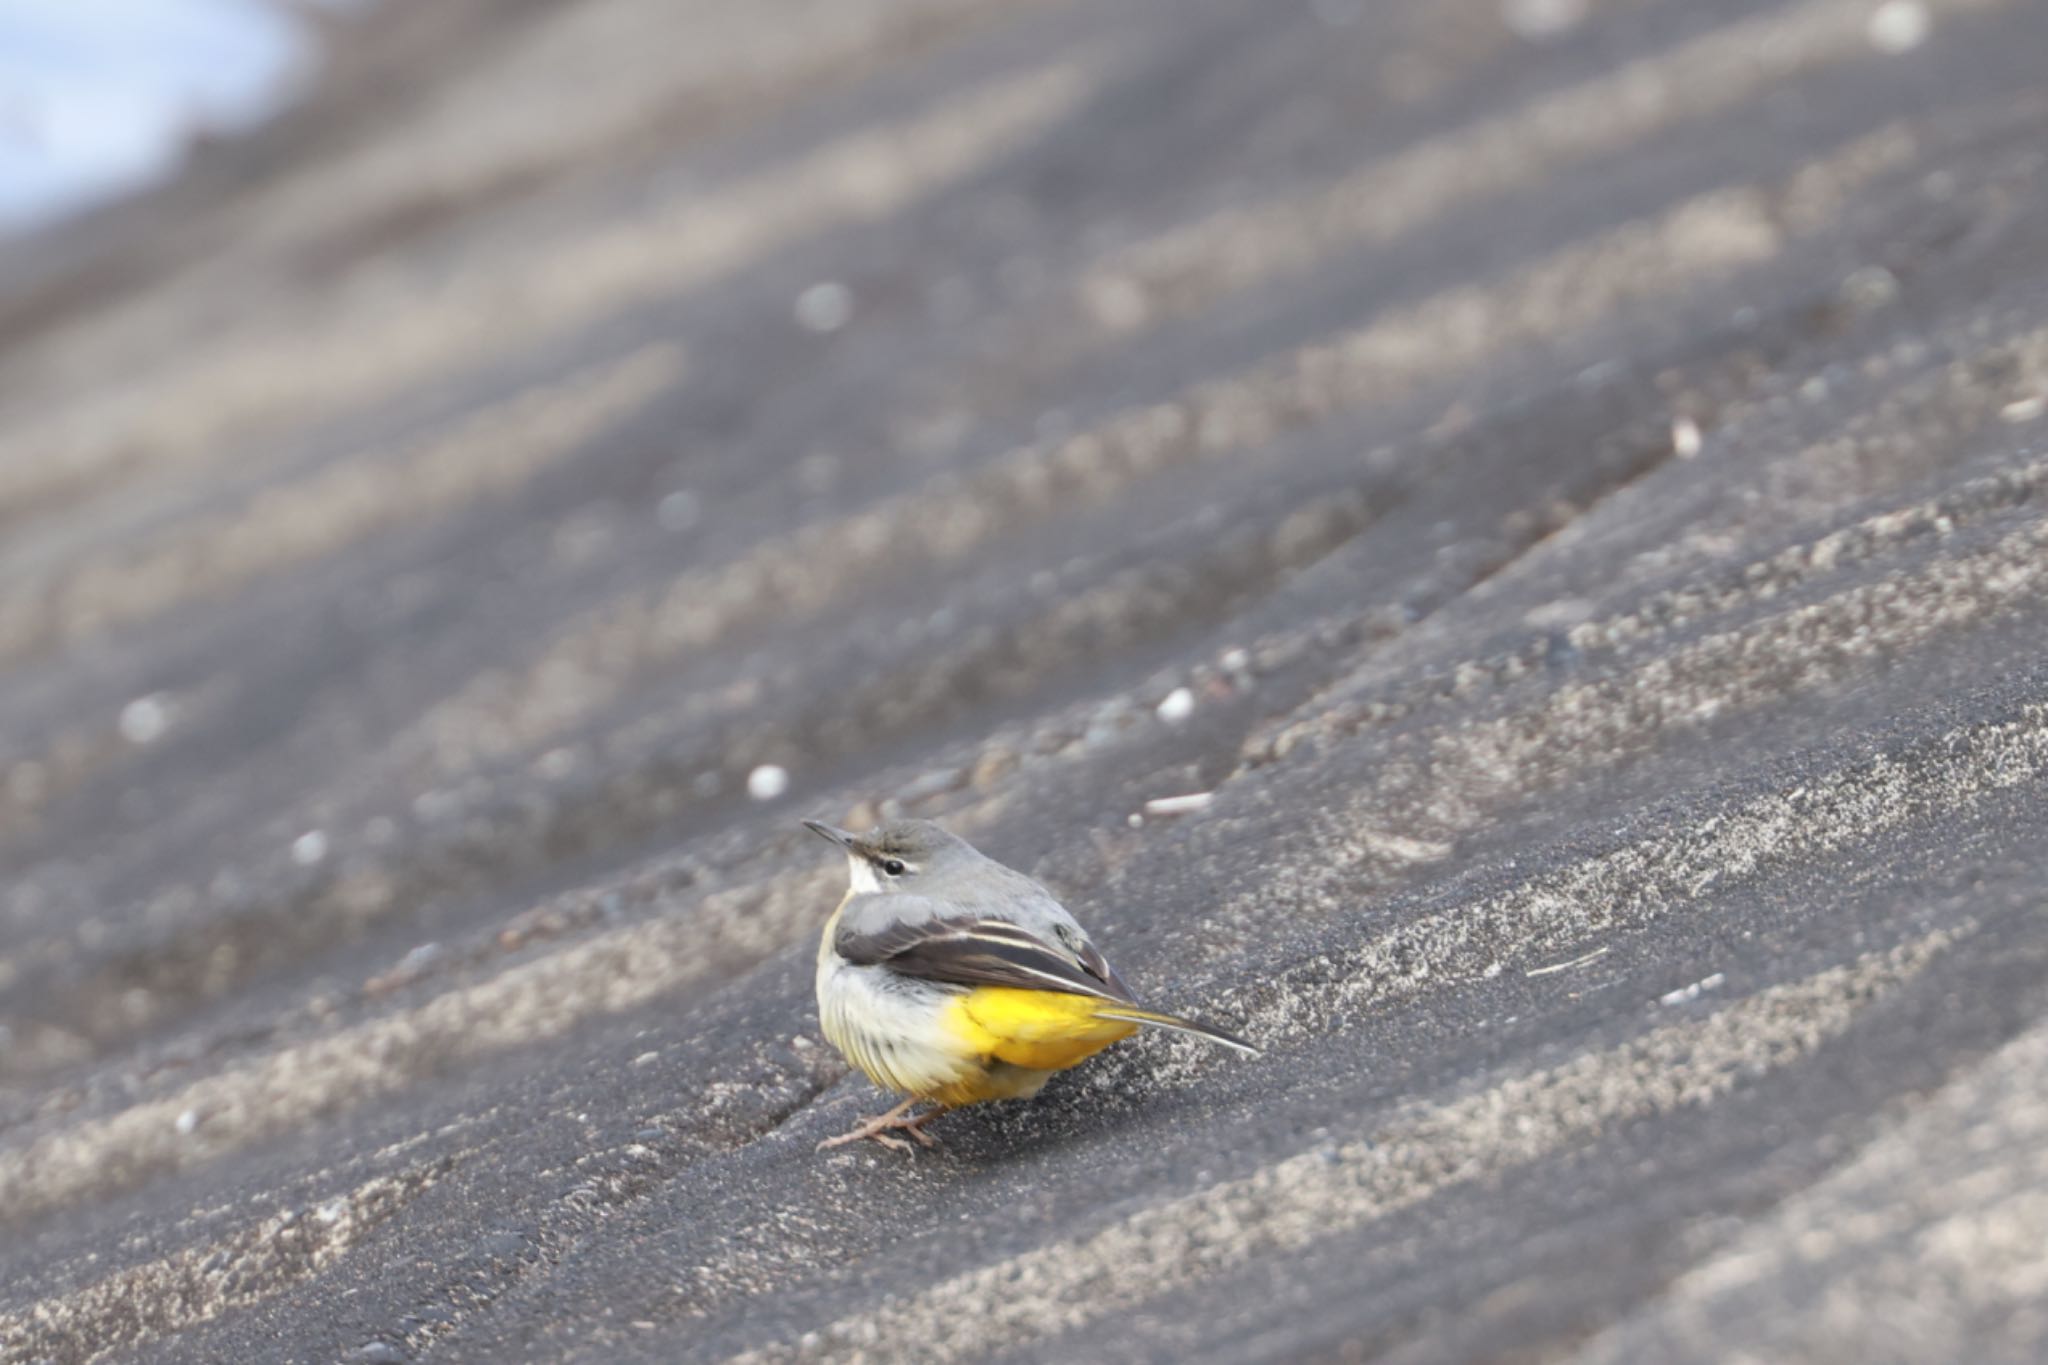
(309, 848)
(824, 307)
(767, 782)
(678, 511)
(1179, 805)
(420, 958)
(144, 720)
(1536, 20)
(1899, 26)
(1177, 706)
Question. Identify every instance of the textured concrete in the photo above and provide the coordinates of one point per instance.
(1585, 464)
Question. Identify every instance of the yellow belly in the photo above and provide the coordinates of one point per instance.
(1040, 1030)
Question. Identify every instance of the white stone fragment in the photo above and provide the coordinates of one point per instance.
(1177, 706)
(1692, 992)
(144, 720)
(1899, 26)
(1179, 805)
(767, 782)
(1537, 20)
(824, 307)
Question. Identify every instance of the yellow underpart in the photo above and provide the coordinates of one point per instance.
(1043, 1030)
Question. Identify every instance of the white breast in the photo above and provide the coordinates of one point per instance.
(892, 1028)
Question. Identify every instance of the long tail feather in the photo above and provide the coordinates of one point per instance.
(1131, 1014)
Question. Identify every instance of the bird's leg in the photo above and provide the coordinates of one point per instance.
(915, 1127)
(878, 1128)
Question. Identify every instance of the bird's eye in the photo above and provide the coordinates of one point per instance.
(893, 866)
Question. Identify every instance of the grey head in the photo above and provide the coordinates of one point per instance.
(911, 872)
(909, 855)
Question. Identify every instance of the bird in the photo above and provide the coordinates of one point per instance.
(950, 979)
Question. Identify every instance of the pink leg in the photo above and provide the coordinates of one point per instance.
(878, 1128)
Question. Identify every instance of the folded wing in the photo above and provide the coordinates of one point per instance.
(971, 951)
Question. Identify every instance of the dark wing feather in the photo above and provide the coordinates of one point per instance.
(981, 952)
(1097, 966)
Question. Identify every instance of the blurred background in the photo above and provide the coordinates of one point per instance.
(1496, 545)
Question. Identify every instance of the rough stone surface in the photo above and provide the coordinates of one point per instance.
(1562, 490)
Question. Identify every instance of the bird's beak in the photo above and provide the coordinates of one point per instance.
(836, 835)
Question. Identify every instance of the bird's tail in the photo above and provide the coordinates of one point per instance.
(1133, 1014)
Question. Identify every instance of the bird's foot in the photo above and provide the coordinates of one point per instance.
(881, 1127)
(915, 1127)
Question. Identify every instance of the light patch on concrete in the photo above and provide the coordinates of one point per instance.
(1624, 890)
(274, 1092)
(486, 452)
(133, 1307)
(1198, 264)
(1931, 1244)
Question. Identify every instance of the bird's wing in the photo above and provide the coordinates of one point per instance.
(916, 939)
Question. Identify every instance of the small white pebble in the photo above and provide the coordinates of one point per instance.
(1899, 26)
(332, 1211)
(1692, 992)
(1135, 820)
(1177, 706)
(767, 782)
(1685, 438)
(309, 848)
(824, 307)
(1871, 286)
(647, 1059)
(1560, 614)
(1536, 20)
(1118, 303)
(419, 958)
(2024, 409)
(188, 1122)
(1179, 805)
(144, 720)
(1234, 661)
(678, 511)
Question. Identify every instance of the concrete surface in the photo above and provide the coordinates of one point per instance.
(1585, 463)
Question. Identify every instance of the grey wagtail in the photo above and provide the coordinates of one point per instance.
(951, 979)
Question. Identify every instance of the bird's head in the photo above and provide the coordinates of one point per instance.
(898, 855)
